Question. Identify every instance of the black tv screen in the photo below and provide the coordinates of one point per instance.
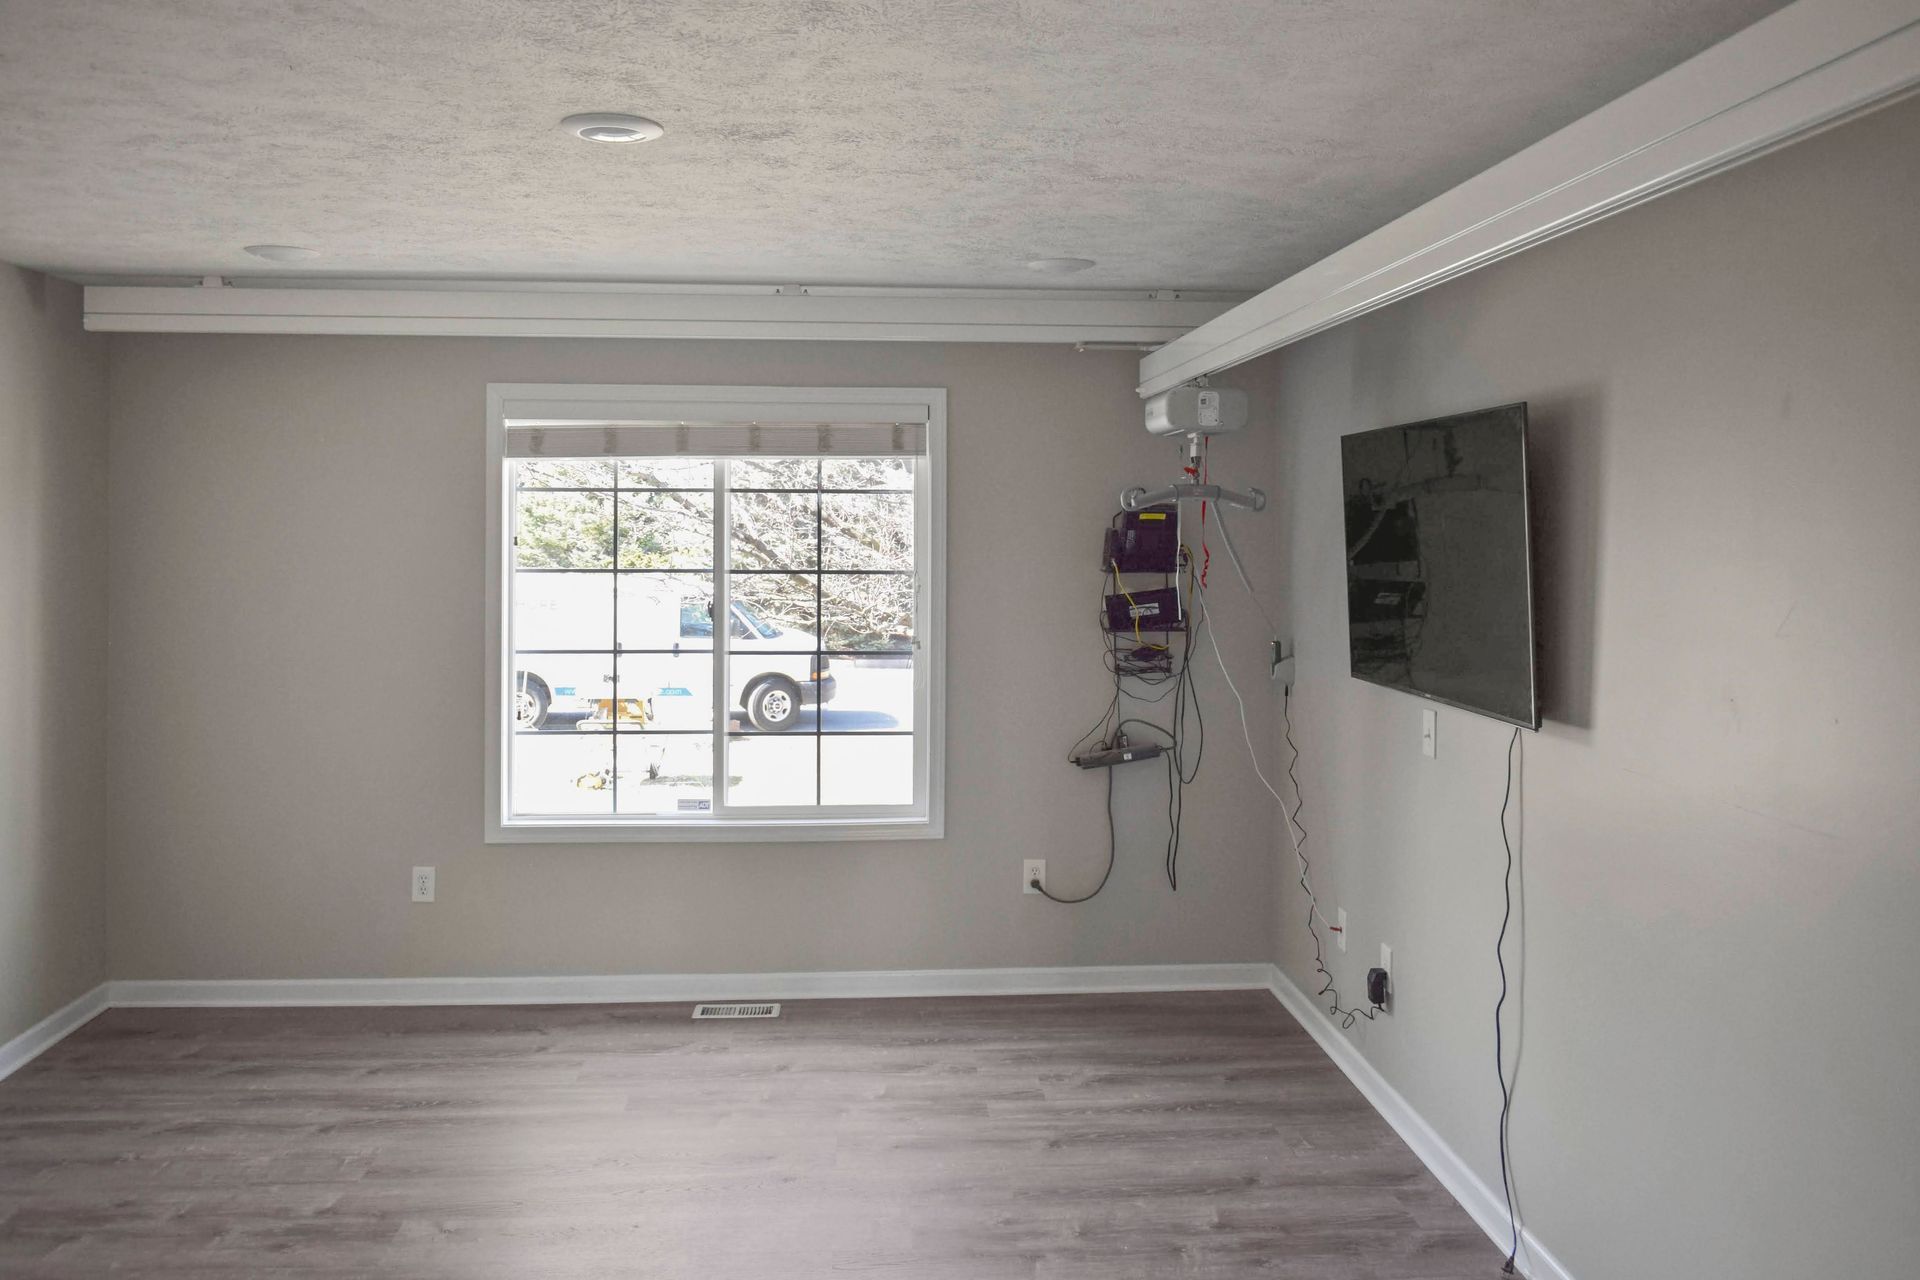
(1439, 578)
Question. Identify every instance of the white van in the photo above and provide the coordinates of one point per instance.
(775, 670)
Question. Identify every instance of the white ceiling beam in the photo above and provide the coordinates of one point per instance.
(1803, 68)
(551, 310)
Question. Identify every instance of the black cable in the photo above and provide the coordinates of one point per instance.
(1107, 727)
(1199, 753)
(1175, 682)
(1098, 726)
(1191, 698)
(1113, 844)
(1178, 776)
(1181, 774)
(1499, 1047)
(1176, 798)
(1334, 1007)
(1102, 728)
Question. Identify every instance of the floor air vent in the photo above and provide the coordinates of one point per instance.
(703, 1011)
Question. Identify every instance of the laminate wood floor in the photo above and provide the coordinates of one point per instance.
(1043, 1138)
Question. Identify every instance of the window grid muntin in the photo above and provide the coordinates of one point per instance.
(721, 645)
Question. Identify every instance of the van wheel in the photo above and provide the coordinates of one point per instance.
(774, 705)
(530, 702)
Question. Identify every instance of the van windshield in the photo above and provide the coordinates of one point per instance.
(744, 620)
(696, 621)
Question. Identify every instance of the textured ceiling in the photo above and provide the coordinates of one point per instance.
(1206, 143)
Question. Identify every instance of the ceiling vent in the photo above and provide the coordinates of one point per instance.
(704, 1011)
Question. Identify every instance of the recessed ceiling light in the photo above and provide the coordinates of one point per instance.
(282, 252)
(611, 126)
(1059, 266)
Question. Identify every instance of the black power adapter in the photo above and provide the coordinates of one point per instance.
(1377, 986)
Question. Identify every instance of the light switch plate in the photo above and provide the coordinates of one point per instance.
(1283, 664)
(1429, 726)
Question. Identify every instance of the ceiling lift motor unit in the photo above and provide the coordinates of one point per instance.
(1196, 410)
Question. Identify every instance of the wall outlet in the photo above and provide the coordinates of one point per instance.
(1030, 870)
(1340, 938)
(423, 884)
(1386, 957)
(1429, 727)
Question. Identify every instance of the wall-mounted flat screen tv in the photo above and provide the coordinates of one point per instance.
(1439, 575)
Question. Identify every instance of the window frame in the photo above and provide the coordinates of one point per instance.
(656, 403)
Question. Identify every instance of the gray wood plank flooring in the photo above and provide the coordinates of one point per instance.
(1037, 1138)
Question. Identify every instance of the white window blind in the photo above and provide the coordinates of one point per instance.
(560, 439)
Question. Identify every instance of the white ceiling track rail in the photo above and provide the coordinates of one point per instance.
(1808, 66)
(562, 310)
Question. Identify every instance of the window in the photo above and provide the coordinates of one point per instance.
(623, 522)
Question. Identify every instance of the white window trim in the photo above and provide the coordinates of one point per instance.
(515, 400)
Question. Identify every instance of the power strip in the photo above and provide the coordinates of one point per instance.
(1107, 757)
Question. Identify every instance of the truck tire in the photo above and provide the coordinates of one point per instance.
(530, 702)
(774, 705)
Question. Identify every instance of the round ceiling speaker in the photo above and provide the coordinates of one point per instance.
(612, 126)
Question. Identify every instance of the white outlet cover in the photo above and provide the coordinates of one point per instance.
(1340, 938)
(1030, 870)
(1429, 729)
(1386, 958)
(422, 884)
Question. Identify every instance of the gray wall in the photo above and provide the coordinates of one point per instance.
(1721, 818)
(53, 649)
(296, 674)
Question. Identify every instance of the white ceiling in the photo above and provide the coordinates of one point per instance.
(1205, 143)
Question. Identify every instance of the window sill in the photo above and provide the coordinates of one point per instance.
(788, 830)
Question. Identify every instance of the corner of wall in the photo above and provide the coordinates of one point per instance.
(53, 433)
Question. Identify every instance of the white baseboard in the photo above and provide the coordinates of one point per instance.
(50, 1030)
(664, 987)
(1479, 1200)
